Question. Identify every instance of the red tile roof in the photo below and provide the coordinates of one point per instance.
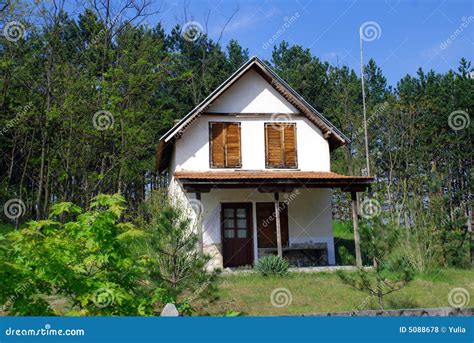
(266, 174)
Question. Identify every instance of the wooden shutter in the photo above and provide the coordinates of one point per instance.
(280, 142)
(225, 146)
(217, 144)
(233, 145)
(290, 145)
(273, 143)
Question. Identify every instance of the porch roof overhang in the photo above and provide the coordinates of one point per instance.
(269, 180)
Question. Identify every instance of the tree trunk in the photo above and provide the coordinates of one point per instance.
(41, 177)
(380, 299)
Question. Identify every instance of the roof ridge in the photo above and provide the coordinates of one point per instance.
(254, 60)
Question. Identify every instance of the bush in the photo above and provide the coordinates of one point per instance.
(390, 272)
(272, 265)
(80, 255)
(178, 268)
(345, 257)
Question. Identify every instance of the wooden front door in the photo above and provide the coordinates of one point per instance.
(266, 224)
(237, 244)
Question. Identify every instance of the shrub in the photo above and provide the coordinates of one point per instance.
(345, 257)
(81, 255)
(178, 268)
(390, 272)
(272, 265)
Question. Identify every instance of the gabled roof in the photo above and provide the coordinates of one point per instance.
(335, 137)
(280, 85)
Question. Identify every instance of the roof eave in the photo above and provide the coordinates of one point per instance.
(254, 60)
(203, 104)
(333, 128)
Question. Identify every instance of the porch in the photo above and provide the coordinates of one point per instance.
(249, 214)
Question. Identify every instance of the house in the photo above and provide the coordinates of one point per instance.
(253, 161)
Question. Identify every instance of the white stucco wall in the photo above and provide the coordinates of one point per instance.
(309, 216)
(252, 101)
(192, 149)
(251, 94)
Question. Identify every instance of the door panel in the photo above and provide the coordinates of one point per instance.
(236, 225)
(266, 224)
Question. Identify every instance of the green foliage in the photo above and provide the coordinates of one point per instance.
(342, 229)
(74, 66)
(272, 265)
(345, 257)
(82, 256)
(177, 265)
(436, 236)
(229, 313)
(390, 272)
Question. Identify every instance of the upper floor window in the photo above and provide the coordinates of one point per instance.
(280, 145)
(225, 147)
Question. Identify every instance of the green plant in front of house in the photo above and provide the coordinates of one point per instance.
(81, 256)
(272, 265)
(177, 265)
(390, 272)
(346, 258)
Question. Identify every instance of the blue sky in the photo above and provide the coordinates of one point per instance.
(432, 34)
(411, 32)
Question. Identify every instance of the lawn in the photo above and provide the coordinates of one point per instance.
(250, 294)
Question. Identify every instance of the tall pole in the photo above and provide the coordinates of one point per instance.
(363, 103)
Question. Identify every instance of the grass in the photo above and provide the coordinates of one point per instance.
(343, 230)
(250, 294)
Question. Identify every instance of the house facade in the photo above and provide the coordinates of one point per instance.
(253, 162)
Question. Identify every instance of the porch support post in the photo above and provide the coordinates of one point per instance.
(199, 225)
(277, 220)
(355, 221)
